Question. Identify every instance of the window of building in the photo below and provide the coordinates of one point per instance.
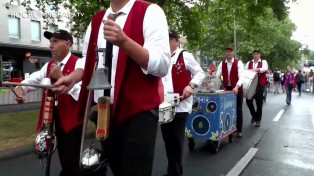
(52, 28)
(35, 30)
(14, 27)
(15, 2)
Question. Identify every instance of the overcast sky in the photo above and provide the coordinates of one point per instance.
(302, 14)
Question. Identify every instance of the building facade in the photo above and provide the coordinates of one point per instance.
(23, 48)
(22, 35)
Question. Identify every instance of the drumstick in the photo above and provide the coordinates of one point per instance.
(103, 121)
(27, 84)
(178, 98)
(14, 92)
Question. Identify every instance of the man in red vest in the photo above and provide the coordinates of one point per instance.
(184, 75)
(141, 56)
(232, 69)
(260, 66)
(68, 122)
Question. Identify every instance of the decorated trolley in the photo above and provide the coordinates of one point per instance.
(213, 118)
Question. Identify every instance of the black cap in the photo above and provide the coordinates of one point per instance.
(173, 34)
(229, 49)
(256, 51)
(60, 34)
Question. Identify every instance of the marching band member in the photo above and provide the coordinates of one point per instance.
(259, 66)
(184, 75)
(141, 56)
(231, 70)
(68, 122)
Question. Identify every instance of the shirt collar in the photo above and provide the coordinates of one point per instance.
(65, 60)
(174, 53)
(125, 10)
(260, 60)
(226, 61)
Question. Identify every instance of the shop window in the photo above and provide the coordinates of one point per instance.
(14, 27)
(35, 30)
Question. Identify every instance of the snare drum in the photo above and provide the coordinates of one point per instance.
(250, 81)
(166, 112)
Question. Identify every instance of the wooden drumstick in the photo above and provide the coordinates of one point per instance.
(27, 84)
(14, 92)
(102, 131)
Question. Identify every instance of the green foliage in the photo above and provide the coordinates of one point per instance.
(208, 25)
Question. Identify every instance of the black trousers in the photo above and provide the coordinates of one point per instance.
(299, 87)
(173, 135)
(68, 147)
(257, 114)
(239, 110)
(132, 144)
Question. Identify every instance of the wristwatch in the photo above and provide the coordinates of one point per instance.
(192, 85)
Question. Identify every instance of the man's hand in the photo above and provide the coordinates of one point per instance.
(187, 92)
(20, 92)
(113, 33)
(236, 89)
(255, 70)
(55, 72)
(63, 85)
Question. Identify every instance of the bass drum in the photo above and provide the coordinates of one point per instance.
(250, 81)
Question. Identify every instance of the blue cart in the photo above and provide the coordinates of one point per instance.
(213, 118)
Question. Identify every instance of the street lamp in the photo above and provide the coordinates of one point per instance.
(234, 33)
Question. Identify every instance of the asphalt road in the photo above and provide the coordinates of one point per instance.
(284, 147)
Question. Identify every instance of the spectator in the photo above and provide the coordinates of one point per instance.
(276, 81)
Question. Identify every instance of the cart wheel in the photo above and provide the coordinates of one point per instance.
(230, 138)
(215, 145)
(191, 144)
(216, 150)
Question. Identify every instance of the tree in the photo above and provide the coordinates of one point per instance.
(187, 16)
(207, 24)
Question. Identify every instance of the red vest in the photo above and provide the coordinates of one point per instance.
(262, 76)
(134, 91)
(67, 107)
(181, 77)
(234, 76)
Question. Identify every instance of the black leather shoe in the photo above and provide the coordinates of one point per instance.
(252, 121)
(239, 135)
(258, 124)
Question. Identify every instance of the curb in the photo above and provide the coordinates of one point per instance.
(27, 150)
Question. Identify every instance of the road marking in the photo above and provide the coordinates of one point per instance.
(278, 116)
(238, 168)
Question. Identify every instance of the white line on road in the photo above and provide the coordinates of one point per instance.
(238, 168)
(278, 116)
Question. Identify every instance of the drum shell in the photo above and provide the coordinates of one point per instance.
(250, 82)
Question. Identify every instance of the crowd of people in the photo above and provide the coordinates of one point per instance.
(289, 81)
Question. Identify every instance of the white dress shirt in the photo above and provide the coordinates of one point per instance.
(229, 66)
(197, 77)
(156, 41)
(255, 64)
(38, 76)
